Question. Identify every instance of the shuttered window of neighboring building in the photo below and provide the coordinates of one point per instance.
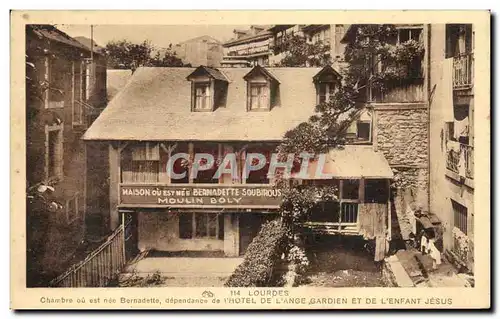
(54, 152)
(460, 217)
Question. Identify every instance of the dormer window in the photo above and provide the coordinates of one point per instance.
(203, 97)
(208, 89)
(326, 81)
(259, 96)
(262, 89)
(325, 91)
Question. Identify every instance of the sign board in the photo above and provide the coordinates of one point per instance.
(203, 196)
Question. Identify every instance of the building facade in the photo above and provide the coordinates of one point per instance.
(158, 130)
(452, 138)
(65, 93)
(267, 45)
(401, 132)
(329, 35)
(202, 50)
(248, 48)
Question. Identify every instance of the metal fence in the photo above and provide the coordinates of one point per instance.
(463, 73)
(100, 267)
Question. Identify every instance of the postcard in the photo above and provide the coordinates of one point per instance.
(250, 160)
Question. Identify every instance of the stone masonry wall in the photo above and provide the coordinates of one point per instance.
(402, 135)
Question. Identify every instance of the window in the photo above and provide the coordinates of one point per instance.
(459, 216)
(73, 208)
(75, 101)
(325, 92)
(203, 100)
(363, 131)
(327, 211)
(350, 189)
(259, 176)
(459, 39)
(201, 225)
(56, 71)
(339, 33)
(376, 191)
(181, 165)
(54, 152)
(206, 176)
(259, 96)
(405, 35)
(142, 164)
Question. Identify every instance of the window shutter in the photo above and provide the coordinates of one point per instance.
(249, 97)
(193, 96)
(266, 102)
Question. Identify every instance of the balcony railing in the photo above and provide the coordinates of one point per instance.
(460, 159)
(345, 223)
(249, 50)
(463, 72)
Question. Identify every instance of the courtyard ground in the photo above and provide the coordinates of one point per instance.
(342, 262)
(178, 270)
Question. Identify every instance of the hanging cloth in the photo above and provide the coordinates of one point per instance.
(461, 128)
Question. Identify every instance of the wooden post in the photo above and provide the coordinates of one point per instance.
(219, 160)
(361, 198)
(389, 211)
(341, 196)
(243, 156)
(375, 130)
(191, 159)
(114, 184)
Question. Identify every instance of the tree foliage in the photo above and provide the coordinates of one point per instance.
(261, 257)
(373, 59)
(299, 53)
(123, 54)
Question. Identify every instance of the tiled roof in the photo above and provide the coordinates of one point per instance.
(116, 80)
(214, 73)
(87, 42)
(155, 104)
(52, 33)
(353, 161)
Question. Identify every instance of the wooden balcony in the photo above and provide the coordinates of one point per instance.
(347, 223)
(253, 50)
(463, 71)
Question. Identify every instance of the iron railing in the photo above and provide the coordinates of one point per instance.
(463, 71)
(460, 159)
(100, 267)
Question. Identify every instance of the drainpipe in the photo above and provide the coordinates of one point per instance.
(428, 93)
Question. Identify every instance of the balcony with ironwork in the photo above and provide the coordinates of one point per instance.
(463, 71)
(460, 159)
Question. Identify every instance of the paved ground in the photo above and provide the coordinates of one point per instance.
(179, 271)
(343, 262)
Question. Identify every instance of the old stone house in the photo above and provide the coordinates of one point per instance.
(66, 89)
(164, 112)
(401, 132)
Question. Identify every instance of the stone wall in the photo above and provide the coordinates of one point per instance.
(401, 133)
